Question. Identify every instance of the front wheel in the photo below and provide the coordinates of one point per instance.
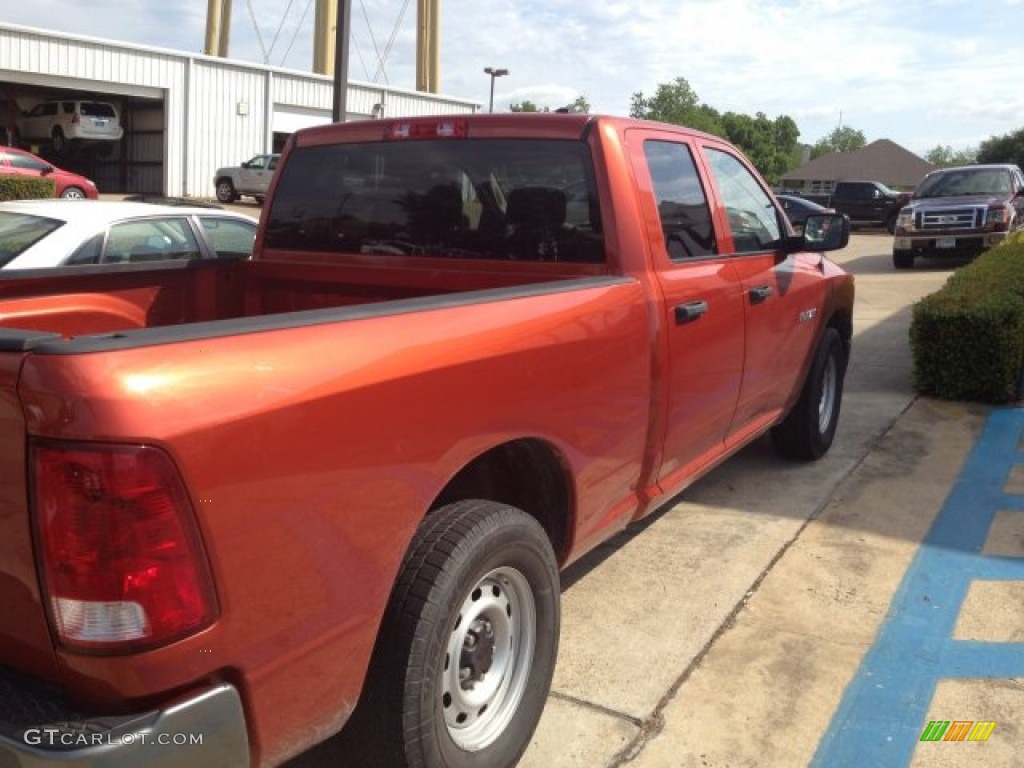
(809, 429)
(226, 191)
(902, 259)
(467, 648)
(73, 193)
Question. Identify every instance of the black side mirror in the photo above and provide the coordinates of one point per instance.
(826, 232)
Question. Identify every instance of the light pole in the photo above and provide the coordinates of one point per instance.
(494, 73)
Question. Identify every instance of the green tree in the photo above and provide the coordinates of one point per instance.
(527, 106)
(677, 103)
(771, 145)
(842, 139)
(1003, 149)
(945, 156)
(581, 105)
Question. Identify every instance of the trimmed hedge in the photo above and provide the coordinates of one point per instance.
(22, 188)
(967, 339)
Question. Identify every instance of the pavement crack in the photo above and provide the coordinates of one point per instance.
(635, 721)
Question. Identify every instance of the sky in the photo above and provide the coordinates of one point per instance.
(918, 72)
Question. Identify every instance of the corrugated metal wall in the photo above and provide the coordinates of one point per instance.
(215, 112)
(227, 120)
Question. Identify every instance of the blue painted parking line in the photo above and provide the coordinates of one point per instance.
(882, 713)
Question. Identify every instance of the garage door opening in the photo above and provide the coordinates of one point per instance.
(116, 141)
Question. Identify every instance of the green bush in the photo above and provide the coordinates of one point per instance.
(967, 339)
(21, 188)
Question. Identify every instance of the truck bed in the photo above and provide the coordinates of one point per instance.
(75, 302)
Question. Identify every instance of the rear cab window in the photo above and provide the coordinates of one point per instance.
(461, 198)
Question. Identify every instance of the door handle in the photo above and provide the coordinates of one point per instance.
(690, 311)
(760, 293)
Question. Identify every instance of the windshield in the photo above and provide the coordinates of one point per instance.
(20, 231)
(966, 181)
(502, 199)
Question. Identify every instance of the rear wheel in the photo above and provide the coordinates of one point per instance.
(226, 191)
(809, 429)
(903, 259)
(58, 141)
(466, 651)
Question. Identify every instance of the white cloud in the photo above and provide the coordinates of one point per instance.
(910, 72)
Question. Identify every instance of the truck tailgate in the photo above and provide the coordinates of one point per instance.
(25, 643)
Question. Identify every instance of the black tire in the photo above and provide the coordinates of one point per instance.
(480, 580)
(73, 193)
(58, 141)
(903, 259)
(226, 191)
(808, 430)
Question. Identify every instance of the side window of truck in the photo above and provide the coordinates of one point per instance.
(682, 204)
(753, 218)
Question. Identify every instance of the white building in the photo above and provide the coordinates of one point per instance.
(184, 114)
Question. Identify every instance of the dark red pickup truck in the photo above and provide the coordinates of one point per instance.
(245, 503)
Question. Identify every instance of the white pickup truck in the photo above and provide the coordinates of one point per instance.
(250, 178)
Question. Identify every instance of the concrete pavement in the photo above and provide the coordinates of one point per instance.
(743, 626)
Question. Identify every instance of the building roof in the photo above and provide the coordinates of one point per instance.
(882, 160)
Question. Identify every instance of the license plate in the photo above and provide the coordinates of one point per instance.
(946, 242)
(99, 123)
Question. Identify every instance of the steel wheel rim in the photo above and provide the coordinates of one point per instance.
(72, 194)
(478, 704)
(224, 190)
(827, 404)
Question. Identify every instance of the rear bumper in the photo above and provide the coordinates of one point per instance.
(952, 245)
(204, 729)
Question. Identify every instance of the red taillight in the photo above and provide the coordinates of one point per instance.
(427, 129)
(123, 564)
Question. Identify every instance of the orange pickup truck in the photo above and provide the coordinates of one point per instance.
(246, 503)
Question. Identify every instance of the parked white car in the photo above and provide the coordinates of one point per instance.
(65, 120)
(53, 233)
(251, 178)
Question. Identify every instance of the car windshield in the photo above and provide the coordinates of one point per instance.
(20, 231)
(503, 199)
(97, 109)
(980, 181)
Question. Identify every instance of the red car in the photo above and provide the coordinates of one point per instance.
(18, 162)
